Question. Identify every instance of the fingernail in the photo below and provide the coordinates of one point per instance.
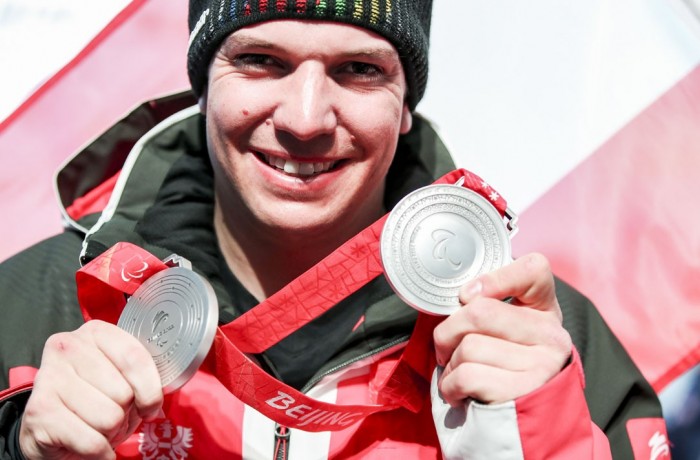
(470, 290)
(440, 361)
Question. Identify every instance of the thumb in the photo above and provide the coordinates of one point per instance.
(527, 280)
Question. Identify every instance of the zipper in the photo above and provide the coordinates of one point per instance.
(282, 435)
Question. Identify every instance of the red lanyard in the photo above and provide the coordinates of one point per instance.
(120, 270)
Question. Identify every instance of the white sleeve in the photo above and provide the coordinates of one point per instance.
(475, 431)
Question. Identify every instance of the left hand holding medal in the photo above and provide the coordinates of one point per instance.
(494, 351)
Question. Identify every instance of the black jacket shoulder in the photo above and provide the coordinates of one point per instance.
(616, 391)
(38, 298)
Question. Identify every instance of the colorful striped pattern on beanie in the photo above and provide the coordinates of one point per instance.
(404, 23)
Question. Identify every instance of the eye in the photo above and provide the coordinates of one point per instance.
(363, 69)
(255, 61)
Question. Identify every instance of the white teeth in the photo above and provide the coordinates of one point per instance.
(291, 167)
(306, 169)
(298, 168)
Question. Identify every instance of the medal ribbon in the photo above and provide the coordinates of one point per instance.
(120, 270)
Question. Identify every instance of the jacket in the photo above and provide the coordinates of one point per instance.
(162, 200)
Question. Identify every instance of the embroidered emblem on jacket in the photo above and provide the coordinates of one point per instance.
(163, 441)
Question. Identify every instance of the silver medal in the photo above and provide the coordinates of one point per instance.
(436, 239)
(174, 314)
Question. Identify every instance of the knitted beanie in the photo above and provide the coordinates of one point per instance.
(404, 23)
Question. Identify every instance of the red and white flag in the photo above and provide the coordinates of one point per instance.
(585, 115)
(138, 55)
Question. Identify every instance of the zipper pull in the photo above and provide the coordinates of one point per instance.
(282, 434)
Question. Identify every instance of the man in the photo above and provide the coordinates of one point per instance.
(306, 137)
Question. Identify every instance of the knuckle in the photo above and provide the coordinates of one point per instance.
(497, 279)
(468, 345)
(94, 327)
(463, 382)
(479, 315)
(133, 358)
(61, 342)
(94, 445)
(112, 418)
(439, 336)
(537, 262)
(148, 397)
(554, 354)
(136, 355)
(560, 338)
(555, 309)
(122, 394)
(40, 437)
(151, 400)
(461, 356)
(563, 339)
(37, 404)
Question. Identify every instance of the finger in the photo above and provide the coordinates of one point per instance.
(487, 384)
(527, 279)
(500, 320)
(495, 352)
(506, 355)
(134, 362)
(48, 434)
(61, 378)
(92, 406)
(131, 423)
(82, 356)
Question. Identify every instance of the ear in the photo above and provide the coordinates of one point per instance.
(406, 119)
(202, 101)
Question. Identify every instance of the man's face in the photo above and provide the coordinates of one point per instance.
(302, 124)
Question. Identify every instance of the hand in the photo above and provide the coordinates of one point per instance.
(494, 351)
(93, 388)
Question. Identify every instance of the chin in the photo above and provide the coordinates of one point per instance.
(305, 222)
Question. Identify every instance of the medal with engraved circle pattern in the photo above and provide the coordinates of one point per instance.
(174, 314)
(436, 239)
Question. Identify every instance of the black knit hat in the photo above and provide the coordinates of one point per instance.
(404, 23)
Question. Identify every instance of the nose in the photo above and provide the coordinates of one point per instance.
(306, 109)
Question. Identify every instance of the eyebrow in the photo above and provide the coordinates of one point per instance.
(373, 53)
(246, 41)
(238, 40)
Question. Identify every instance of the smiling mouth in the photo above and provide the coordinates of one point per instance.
(297, 168)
